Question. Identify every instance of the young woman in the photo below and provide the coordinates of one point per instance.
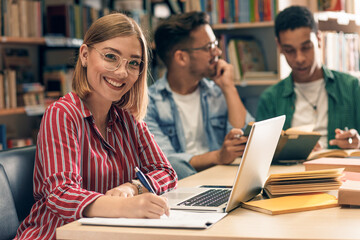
(91, 140)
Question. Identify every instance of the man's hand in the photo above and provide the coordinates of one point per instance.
(346, 139)
(224, 75)
(233, 147)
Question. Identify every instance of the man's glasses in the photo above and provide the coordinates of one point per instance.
(209, 47)
(112, 62)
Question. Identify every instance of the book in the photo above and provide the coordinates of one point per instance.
(349, 193)
(336, 153)
(303, 182)
(294, 144)
(349, 164)
(293, 203)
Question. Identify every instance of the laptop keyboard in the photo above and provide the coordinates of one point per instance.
(209, 198)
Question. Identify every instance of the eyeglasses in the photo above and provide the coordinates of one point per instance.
(209, 47)
(112, 62)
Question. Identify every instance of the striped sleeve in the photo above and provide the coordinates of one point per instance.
(59, 158)
(154, 162)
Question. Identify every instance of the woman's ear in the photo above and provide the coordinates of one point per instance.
(181, 58)
(84, 54)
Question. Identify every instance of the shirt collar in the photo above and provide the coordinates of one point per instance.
(289, 83)
(84, 111)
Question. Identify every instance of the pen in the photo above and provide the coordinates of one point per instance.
(143, 180)
(349, 139)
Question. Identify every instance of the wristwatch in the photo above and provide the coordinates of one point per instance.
(138, 185)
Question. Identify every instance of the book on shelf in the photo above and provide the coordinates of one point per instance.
(336, 153)
(2, 93)
(21, 18)
(294, 144)
(246, 55)
(3, 144)
(292, 203)
(349, 193)
(303, 182)
(331, 5)
(349, 164)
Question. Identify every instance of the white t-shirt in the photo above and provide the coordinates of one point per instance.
(309, 95)
(189, 108)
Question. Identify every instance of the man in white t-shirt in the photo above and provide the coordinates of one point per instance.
(312, 94)
(196, 121)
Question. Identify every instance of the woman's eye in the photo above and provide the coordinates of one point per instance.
(111, 57)
(134, 63)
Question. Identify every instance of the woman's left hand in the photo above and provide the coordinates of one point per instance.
(124, 190)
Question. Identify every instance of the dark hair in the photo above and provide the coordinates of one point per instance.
(294, 17)
(174, 33)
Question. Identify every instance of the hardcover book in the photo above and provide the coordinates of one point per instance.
(349, 164)
(294, 143)
(303, 182)
(293, 203)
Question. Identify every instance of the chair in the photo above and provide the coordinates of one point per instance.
(19, 168)
(9, 221)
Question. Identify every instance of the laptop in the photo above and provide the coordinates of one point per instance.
(250, 178)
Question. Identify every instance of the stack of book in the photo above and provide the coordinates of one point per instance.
(298, 191)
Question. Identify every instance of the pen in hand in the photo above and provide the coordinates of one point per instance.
(143, 180)
(349, 139)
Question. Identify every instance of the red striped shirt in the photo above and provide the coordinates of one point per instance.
(75, 165)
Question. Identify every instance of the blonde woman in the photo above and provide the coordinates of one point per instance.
(91, 140)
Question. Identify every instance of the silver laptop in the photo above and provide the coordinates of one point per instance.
(250, 178)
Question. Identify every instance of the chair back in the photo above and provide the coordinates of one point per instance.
(9, 221)
(19, 167)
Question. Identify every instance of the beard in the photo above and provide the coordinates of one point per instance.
(207, 70)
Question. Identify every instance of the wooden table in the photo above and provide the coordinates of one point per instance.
(331, 223)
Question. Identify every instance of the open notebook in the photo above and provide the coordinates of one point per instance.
(250, 178)
(177, 219)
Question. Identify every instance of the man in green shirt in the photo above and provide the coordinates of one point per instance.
(312, 94)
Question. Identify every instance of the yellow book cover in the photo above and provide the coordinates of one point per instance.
(293, 203)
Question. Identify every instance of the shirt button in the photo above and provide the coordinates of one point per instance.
(108, 129)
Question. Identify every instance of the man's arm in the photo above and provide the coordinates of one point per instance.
(232, 148)
(225, 80)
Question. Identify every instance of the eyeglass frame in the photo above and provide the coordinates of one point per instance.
(120, 62)
(208, 47)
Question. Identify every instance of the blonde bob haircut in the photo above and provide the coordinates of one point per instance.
(103, 29)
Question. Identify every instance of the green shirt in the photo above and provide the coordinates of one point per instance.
(343, 99)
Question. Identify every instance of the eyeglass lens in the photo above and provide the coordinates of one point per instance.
(113, 61)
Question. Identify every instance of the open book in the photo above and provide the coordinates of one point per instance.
(341, 153)
(295, 143)
(292, 203)
(303, 182)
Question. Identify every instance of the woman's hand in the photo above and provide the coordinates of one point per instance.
(146, 205)
(124, 190)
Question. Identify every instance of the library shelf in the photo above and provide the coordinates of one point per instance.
(22, 40)
(235, 26)
(12, 111)
(256, 83)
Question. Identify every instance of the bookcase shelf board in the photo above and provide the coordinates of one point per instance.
(12, 111)
(22, 40)
(232, 26)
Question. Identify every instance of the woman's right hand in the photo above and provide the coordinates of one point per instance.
(146, 205)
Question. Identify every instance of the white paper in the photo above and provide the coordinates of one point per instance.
(177, 219)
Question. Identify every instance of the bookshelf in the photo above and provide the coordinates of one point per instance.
(346, 21)
(48, 47)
